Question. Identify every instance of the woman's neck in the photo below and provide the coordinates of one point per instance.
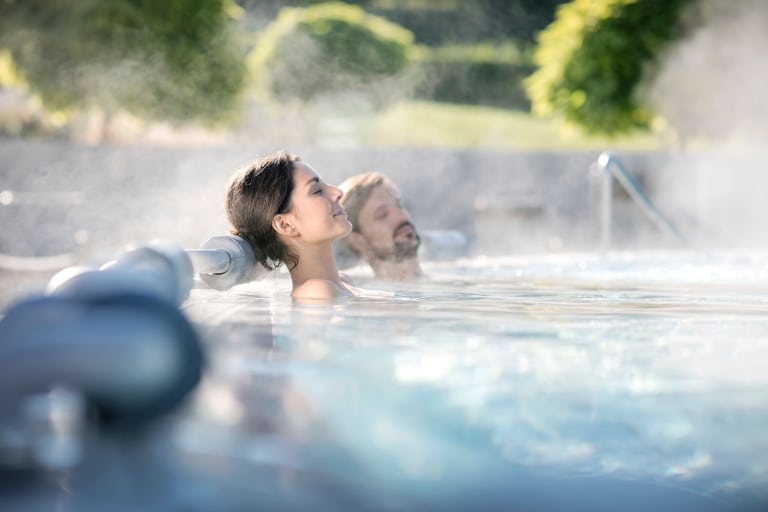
(315, 262)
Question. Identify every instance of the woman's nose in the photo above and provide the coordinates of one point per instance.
(335, 193)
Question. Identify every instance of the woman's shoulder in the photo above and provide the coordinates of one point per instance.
(319, 289)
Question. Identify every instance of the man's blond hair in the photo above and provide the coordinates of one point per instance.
(357, 190)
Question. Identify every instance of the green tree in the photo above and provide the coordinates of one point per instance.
(174, 60)
(594, 55)
(330, 48)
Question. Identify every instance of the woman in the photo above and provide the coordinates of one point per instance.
(289, 216)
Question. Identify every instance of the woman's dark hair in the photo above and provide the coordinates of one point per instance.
(254, 196)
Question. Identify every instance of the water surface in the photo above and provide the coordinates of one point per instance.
(636, 382)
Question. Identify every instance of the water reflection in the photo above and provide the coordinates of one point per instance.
(495, 394)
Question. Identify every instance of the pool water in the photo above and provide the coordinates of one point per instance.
(633, 382)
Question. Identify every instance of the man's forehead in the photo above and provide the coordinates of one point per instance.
(381, 196)
(384, 193)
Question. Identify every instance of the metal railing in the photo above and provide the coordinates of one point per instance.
(611, 168)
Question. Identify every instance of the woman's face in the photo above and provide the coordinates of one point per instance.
(315, 209)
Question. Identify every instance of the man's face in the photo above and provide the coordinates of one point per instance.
(386, 227)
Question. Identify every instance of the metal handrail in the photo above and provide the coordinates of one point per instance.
(612, 169)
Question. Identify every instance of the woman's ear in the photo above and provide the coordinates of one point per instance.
(283, 225)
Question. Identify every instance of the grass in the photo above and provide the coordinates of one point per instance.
(426, 124)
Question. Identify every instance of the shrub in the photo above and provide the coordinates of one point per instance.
(592, 57)
(330, 48)
(476, 74)
(156, 60)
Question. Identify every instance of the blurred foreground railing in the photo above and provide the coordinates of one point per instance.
(108, 344)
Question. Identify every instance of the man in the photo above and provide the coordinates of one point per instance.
(383, 233)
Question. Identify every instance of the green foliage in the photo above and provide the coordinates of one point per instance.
(444, 22)
(170, 60)
(420, 124)
(480, 74)
(593, 56)
(330, 48)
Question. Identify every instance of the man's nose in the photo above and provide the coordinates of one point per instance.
(401, 215)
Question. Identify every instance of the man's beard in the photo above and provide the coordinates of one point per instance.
(403, 249)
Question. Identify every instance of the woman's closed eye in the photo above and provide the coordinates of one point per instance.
(315, 186)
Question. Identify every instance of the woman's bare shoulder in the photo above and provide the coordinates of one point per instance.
(321, 289)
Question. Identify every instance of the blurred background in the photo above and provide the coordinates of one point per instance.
(121, 120)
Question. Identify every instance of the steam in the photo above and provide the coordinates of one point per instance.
(709, 87)
(712, 84)
(711, 90)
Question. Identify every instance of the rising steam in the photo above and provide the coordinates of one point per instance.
(712, 84)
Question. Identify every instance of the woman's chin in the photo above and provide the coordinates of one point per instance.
(347, 228)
